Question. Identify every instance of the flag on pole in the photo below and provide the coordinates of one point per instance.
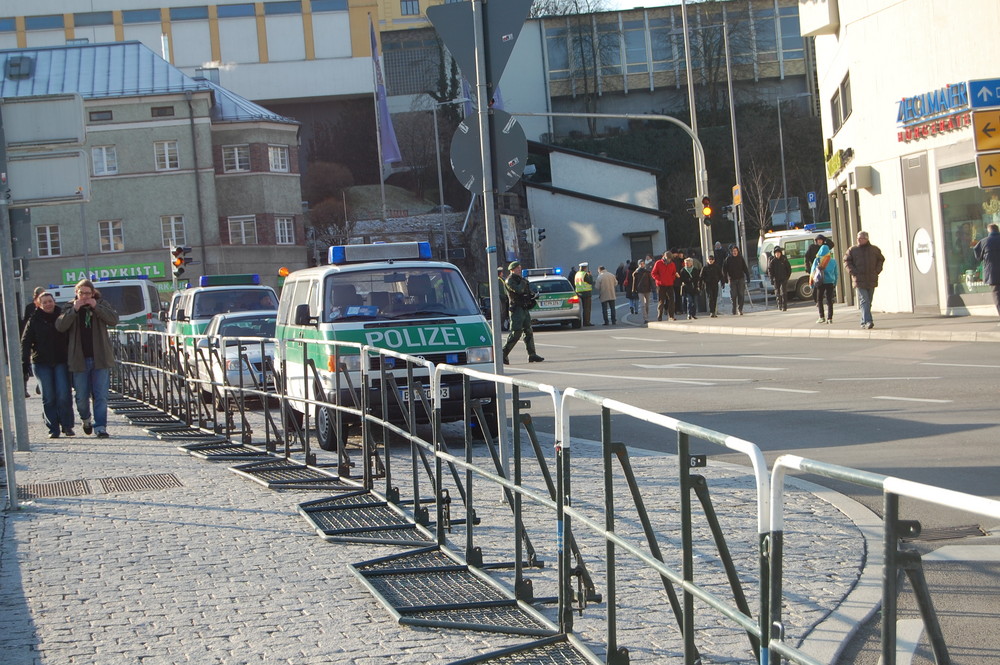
(390, 148)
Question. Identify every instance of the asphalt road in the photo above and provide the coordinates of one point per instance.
(921, 411)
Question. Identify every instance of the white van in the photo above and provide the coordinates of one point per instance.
(136, 300)
(794, 243)
(389, 295)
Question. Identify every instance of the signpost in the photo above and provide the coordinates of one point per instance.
(984, 95)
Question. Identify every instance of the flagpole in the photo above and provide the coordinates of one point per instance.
(378, 125)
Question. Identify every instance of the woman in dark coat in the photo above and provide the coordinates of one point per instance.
(47, 349)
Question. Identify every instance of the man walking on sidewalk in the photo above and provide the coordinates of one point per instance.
(664, 273)
(863, 262)
(988, 252)
(606, 284)
(736, 272)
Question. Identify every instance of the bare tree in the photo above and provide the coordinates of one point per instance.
(759, 187)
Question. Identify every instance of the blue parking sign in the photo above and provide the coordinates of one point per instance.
(811, 197)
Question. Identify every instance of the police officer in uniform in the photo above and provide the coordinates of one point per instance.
(519, 292)
(583, 284)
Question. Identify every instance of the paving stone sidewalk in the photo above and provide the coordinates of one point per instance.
(211, 568)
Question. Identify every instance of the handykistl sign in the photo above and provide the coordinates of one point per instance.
(152, 270)
(934, 112)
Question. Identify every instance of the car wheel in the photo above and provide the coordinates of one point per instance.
(326, 429)
(577, 323)
(803, 289)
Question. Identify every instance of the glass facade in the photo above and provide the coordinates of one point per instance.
(965, 214)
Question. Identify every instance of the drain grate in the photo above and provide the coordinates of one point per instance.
(947, 533)
(158, 481)
(550, 651)
(48, 490)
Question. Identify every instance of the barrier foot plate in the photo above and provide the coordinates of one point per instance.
(362, 517)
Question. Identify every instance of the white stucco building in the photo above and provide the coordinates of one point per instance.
(897, 80)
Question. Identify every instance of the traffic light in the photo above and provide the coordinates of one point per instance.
(540, 235)
(706, 210)
(180, 260)
(691, 208)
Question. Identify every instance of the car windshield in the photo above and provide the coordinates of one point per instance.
(554, 285)
(210, 303)
(126, 300)
(250, 326)
(397, 293)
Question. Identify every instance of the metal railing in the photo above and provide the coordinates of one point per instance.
(546, 507)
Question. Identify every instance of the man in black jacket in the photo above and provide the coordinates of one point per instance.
(711, 276)
(778, 271)
(737, 274)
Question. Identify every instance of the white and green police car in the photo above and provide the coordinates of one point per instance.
(136, 300)
(192, 309)
(391, 296)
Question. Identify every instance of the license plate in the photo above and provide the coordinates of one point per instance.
(445, 393)
(545, 304)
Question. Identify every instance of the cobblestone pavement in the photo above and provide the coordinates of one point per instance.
(211, 568)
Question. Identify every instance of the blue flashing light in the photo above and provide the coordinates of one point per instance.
(451, 358)
(229, 280)
(389, 362)
(53, 286)
(424, 249)
(337, 255)
(558, 271)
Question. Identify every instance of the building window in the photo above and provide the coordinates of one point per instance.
(235, 158)
(141, 16)
(49, 22)
(840, 105)
(966, 214)
(277, 8)
(243, 230)
(47, 238)
(172, 230)
(89, 19)
(188, 13)
(278, 157)
(105, 159)
(112, 236)
(166, 155)
(329, 6)
(235, 11)
(161, 111)
(409, 7)
(100, 116)
(284, 230)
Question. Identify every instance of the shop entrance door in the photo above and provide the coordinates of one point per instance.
(920, 231)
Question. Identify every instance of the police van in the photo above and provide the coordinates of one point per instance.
(794, 243)
(136, 300)
(192, 309)
(392, 296)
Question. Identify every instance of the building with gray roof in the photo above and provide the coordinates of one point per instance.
(174, 160)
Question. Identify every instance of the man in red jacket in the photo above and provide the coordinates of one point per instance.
(665, 274)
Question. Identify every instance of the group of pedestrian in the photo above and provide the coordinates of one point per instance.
(70, 352)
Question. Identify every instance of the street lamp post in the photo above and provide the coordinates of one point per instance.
(437, 155)
(781, 147)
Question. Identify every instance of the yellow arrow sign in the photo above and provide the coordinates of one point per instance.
(987, 126)
(988, 166)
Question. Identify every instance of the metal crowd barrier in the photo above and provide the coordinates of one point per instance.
(540, 508)
(896, 557)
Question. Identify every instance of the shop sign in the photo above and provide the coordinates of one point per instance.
(935, 112)
(155, 270)
(837, 160)
(935, 127)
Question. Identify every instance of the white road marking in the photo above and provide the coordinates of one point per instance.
(691, 382)
(913, 399)
(961, 365)
(697, 365)
(643, 351)
(789, 390)
(557, 346)
(908, 632)
(782, 357)
(635, 339)
(977, 553)
(885, 378)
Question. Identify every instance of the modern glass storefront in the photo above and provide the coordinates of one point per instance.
(966, 210)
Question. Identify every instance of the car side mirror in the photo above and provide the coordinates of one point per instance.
(162, 315)
(302, 316)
